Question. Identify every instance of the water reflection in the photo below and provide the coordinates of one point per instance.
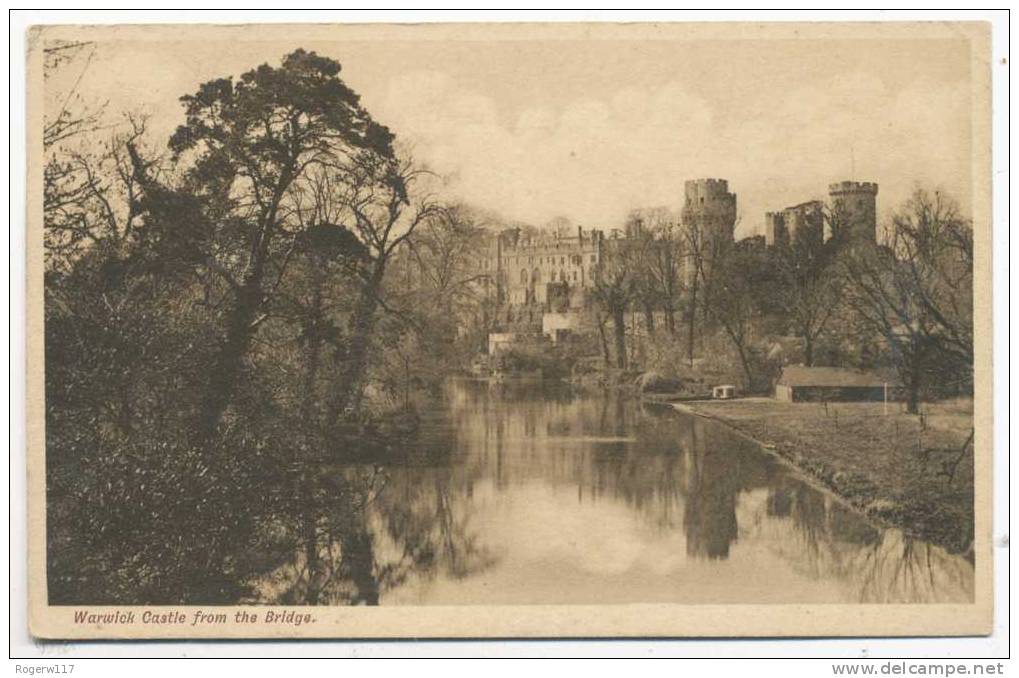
(530, 493)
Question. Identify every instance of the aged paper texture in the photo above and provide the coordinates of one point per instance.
(509, 330)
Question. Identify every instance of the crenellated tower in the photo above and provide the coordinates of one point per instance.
(709, 217)
(710, 207)
(854, 207)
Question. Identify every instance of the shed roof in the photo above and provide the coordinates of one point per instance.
(798, 375)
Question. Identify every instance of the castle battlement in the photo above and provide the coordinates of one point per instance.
(843, 187)
(712, 189)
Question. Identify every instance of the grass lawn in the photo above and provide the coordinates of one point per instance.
(914, 472)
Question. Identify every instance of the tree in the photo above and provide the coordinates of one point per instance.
(811, 285)
(385, 201)
(703, 250)
(746, 291)
(249, 142)
(614, 287)
(657, 277)
(916, 292)
(446, 253)
(930, 236)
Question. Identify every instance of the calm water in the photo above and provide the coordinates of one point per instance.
(528, 493)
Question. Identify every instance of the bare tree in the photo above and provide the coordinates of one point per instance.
(916, 293)
(702, 251)
(734, 304)
(614, 286)
(385, 202)
(812, 283)
(657, 273)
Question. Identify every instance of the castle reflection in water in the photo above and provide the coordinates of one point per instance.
(530, 493)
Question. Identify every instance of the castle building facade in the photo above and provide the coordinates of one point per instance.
(543, 269)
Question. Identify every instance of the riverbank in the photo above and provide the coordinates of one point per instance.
(911, 472)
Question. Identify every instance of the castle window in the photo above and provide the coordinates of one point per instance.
(574, 276)
(702, 199)
(523, 276)
(593, 259)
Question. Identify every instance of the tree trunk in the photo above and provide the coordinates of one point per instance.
(670, 320)
(604, 340)
(226, 365)
(313, 334)
(351, 384)
(691, 318)
(309, 526)
(808, 350)
(619, 323)
(745, 362)
(913, 388)
(358, 557)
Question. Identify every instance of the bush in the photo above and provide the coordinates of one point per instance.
(656, 382)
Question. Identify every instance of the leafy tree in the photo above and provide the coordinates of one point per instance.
(248, 143)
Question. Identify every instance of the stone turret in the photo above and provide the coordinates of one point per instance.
(854, 204)
(710, 206)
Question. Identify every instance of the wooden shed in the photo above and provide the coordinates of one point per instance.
(831, 384)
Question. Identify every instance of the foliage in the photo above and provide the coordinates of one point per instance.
(200, 311)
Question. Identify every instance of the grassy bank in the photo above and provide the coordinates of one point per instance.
(913, 472)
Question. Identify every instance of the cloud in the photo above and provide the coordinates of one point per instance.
(592, 159)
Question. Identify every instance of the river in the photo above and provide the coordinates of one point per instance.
(533, 493)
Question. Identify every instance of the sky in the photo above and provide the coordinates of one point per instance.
(589, 129)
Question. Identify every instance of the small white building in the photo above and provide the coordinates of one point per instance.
(723, 392)
(500, 341)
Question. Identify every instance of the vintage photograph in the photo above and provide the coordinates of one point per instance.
(510, 317)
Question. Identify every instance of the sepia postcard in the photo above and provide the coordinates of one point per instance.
(509, 330)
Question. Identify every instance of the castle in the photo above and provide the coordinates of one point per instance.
(852, 205)
(708, 220)
(543, 279)
(710, 209)
(543, 270)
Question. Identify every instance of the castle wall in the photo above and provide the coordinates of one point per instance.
(799, 222)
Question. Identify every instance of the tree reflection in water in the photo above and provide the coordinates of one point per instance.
(416, 515)
(454, 507)
(824, 539)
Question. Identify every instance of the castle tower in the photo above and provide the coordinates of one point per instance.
(854, 204)
(775, 232)
(709, 211)
(711, 207)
